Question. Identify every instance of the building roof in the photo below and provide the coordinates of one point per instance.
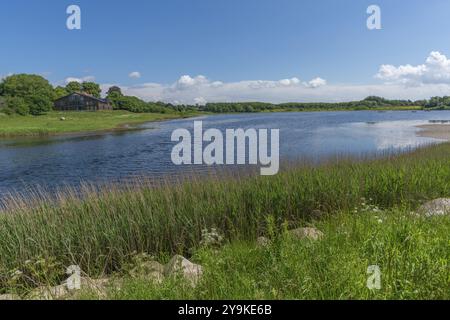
(84, 95)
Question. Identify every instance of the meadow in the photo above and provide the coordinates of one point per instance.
(412, 254)
(54, 122)
(363, 206)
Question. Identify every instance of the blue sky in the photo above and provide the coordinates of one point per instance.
(237, 43)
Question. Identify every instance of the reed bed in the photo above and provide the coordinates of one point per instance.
(104, 227)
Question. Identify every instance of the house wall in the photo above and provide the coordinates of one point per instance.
(80, 103)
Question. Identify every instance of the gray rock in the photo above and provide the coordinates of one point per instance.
(438, 207)
(61, 292)
(263, 242)
(9, 297)
(49, 293)
(307, 233)
(180, 265)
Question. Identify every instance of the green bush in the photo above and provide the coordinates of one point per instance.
(37, 93)
(16, 105)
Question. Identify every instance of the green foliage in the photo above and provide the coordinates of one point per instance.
(74, 86)
(91, 88)
(115, 96)
(134, 104)
(2, 104)
(372, 102)
(438, 103)
(40, 104)
(60, 92)
(114, 90)
(36, 92)
(16, 105)
(41, 271)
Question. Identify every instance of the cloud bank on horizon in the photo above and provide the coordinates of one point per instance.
(431, 78)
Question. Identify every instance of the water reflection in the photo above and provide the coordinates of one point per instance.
(56, 161)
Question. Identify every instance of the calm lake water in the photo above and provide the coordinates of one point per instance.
(56, 161)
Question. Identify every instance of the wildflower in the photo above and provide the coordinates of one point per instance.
(211, 238)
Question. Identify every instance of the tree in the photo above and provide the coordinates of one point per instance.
(435, 102)
(114, 90)
(60, 92)
(40, 104)
(16, 105)
(91, 88)
(73, 86)
(36, 92)
(114, 95)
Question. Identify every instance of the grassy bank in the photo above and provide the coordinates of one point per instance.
(411, 252)
(51, 123)
(101, 232)
(82, 122)
(85, 122)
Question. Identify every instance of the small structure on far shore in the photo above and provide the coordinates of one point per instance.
(79, 101)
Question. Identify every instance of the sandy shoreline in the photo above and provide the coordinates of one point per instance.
(437, 131)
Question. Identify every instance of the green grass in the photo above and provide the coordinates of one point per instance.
(51, 123)
(411, 252)
(101, 232)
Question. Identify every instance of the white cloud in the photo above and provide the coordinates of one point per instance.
(316, 83)
(191, 91)
(435, 70)
(187, 81)
(135, 75)
(289, 82)
(200, 90)
(200, 101)
(80, 80)
(402, 82)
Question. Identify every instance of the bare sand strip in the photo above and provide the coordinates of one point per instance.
(437, 131)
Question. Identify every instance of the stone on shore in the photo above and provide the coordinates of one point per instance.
(263, 242)
(307, 233)
(182, 266)
(9, 297)
(62, 292)
(437, 207)
(49, 293)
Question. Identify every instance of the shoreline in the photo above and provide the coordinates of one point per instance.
(431, 131)
(436, 131)
(341, 205)
(122, 127)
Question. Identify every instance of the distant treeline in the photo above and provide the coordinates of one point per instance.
(372, 102)
(133, 104)
(25, 94)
